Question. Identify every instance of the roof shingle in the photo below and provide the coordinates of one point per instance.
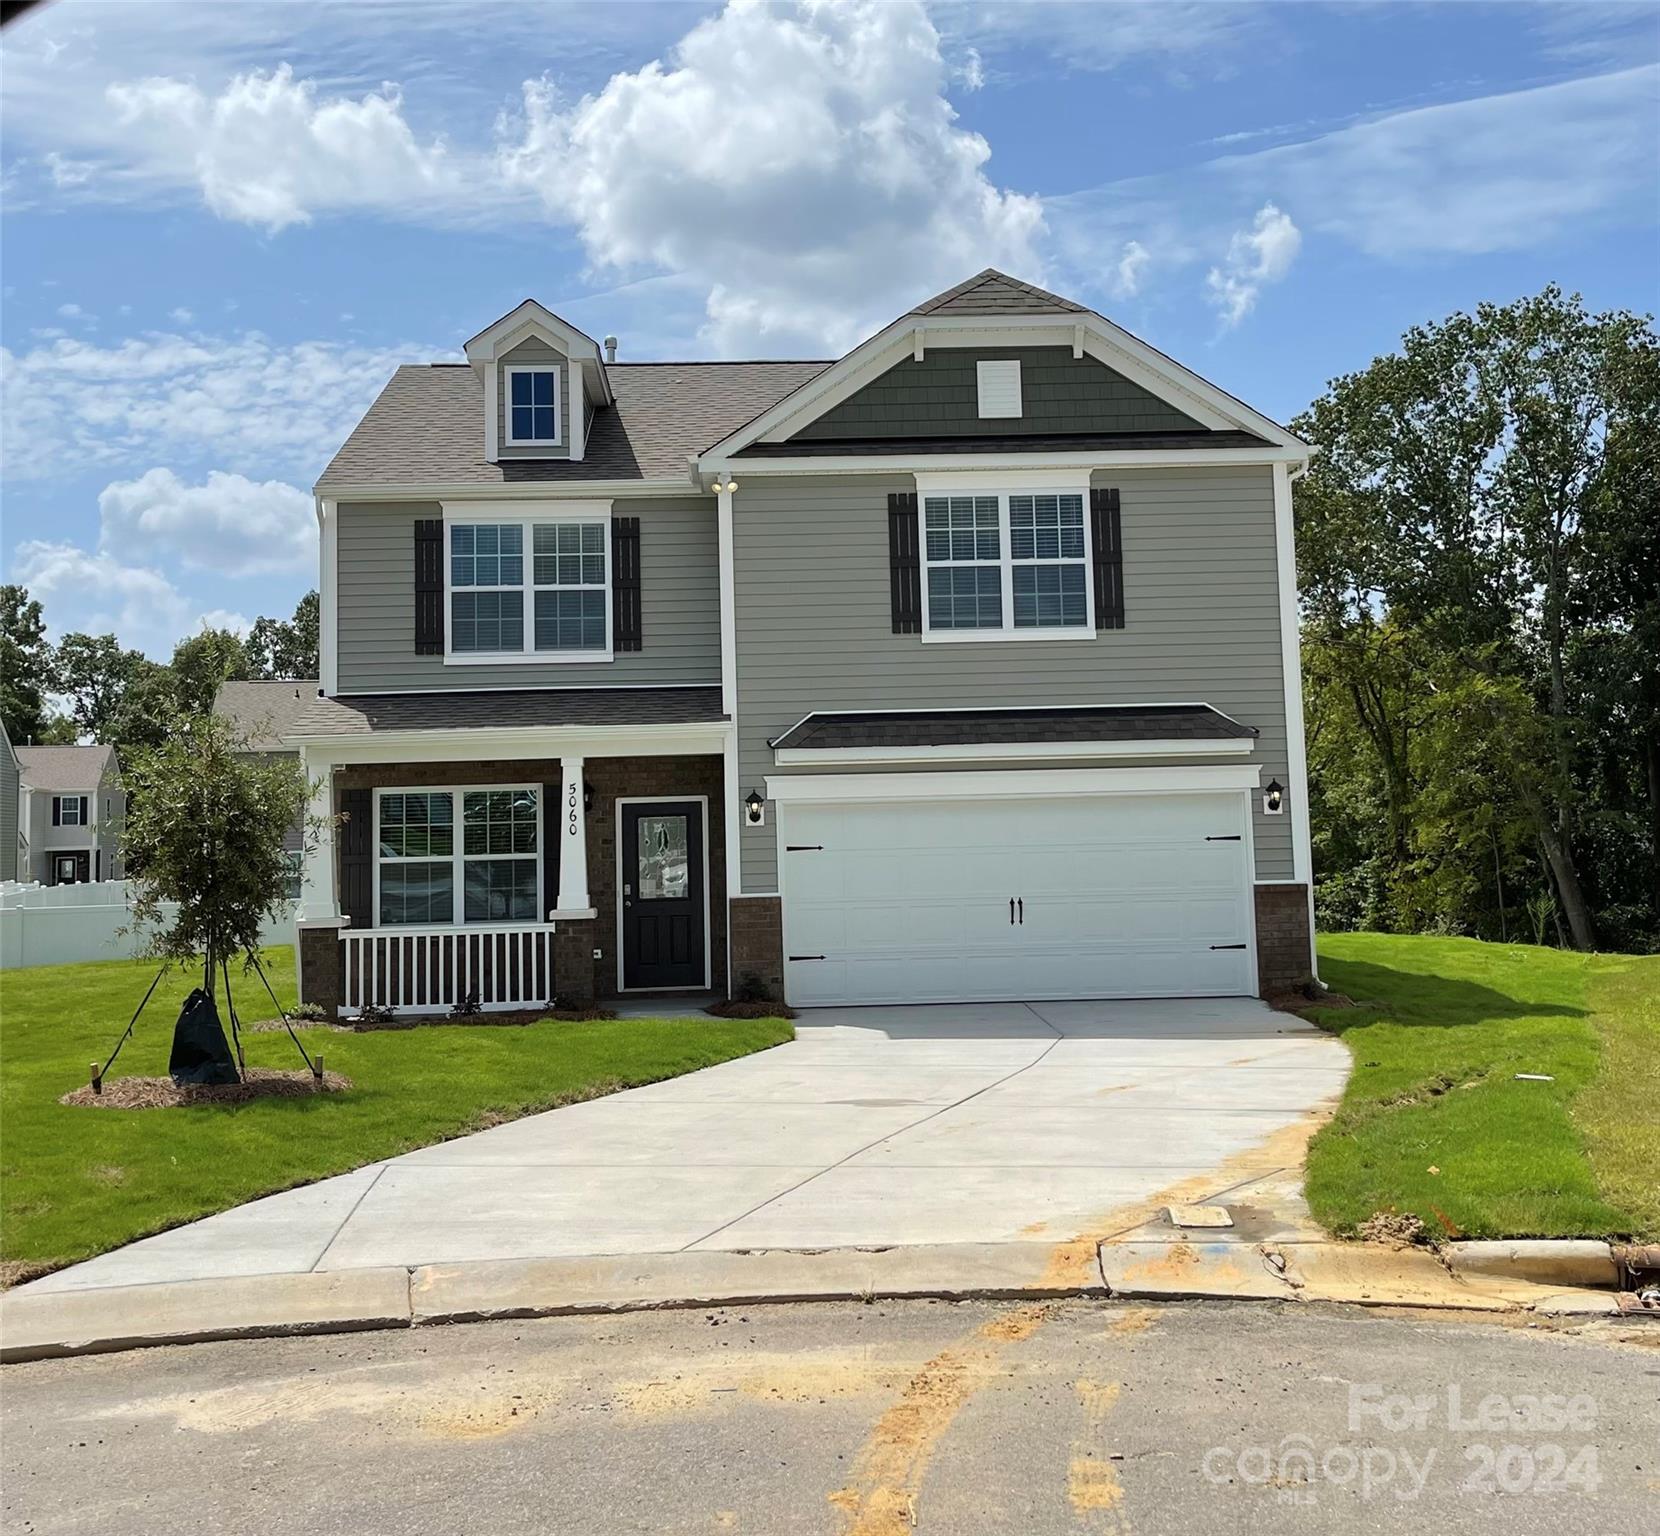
(996, 727)
(77, 768)
(264, 712)
(996, 293)
(508, 709)
(427, 426)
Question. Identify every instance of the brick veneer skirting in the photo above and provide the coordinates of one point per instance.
(1284, 950)
(320, 979)
(611, 778)
(758, 943)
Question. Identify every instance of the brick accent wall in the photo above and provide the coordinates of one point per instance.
(758, 942)
(1283, 947)
(611, 778)
(320, 979)
(574, 968)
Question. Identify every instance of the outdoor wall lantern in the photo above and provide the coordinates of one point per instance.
(1273, 798)
(587, 798)
(755, 809)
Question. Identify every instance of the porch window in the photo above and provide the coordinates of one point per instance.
(1006, 565)
(495, 864)
(562, 586)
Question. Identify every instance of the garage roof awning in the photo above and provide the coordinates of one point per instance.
(1119, 726)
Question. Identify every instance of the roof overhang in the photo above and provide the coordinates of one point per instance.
(1086, 332)
(534, 321)
(471, 744)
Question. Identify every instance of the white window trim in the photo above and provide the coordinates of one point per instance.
(458, 857)
(508, 439)
(1006, 561)
(64, 801)
(568, 513)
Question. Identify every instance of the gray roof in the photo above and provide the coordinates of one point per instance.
(508, 709)
(68, 768)
(265, 712)
(427, 425)
(996, 727)
(996, 293)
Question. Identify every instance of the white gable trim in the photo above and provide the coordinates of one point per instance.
(1109, 343)
(530, 319)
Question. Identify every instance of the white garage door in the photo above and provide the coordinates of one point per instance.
(960, 900)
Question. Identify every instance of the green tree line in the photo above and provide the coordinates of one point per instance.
(1478, 550)
(91, 687)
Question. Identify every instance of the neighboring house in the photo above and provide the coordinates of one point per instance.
(263, 714)
(962, 667)
(14, 856)
(71, 810)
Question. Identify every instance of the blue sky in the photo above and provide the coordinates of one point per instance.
(225, 224)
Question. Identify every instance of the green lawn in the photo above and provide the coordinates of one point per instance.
(1434, 1122)
(74, 1182)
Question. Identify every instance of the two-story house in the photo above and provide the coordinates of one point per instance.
(71, 810)
(263, 712)
(961, 667)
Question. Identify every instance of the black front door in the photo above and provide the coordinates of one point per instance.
(663, 903)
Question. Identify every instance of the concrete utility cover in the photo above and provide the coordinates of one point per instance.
(1198, 1216)
(981, 1123)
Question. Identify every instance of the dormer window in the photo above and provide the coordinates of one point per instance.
(532, 407)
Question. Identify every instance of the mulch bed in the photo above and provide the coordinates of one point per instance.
(164, 1093)
(519, 1019)
(731, 1009)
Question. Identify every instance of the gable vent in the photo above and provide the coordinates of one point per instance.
(999, 388)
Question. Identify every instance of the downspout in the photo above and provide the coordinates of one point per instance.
(1297, 741)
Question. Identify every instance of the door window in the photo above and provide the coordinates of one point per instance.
(664, 872)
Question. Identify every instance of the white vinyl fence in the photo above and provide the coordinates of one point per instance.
(62, 924)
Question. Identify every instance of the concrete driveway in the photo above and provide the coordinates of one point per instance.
(877, 1126)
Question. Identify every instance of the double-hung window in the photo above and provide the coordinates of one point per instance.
(70, 810)
(422, 867)
(1006, 565)
(530, 589)
(532, 407)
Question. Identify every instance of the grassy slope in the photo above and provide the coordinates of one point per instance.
(74, 1182)
(1434, 1087)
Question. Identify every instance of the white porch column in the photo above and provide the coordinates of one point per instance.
(319, 907)
(573, 838)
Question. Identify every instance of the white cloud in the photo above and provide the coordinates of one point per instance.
(71, 311)
(972, 70)
(99, 594)
(227, 524)
(268, 151)
(180, 316)
(1256, 256)
(1125, 279)
(240, 402)
(799, 161)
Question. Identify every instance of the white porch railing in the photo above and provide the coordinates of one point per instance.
(431, 969)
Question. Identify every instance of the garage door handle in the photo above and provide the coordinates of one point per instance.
(803, 847)
(1231, 837)
(820, 957)
(1011, 911)
(1227, 946)
(1022, 911)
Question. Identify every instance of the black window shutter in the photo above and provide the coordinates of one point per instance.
(626, 632)
(86, 818)
(57, 811)
(429, 586)
(1106, 531)
(904, 563)
(552, 824)
(357, 845)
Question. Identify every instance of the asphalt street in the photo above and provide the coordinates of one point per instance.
(874, 1420)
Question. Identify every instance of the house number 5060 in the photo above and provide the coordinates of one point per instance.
(572, 817)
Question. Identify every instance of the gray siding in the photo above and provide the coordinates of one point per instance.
(104, 835)
(679, 602)
(538, 354)
(940, 397)
(9, 792)
(1201, 606)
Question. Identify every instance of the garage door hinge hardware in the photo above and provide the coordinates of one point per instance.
(1231, 837)
(803, 847)
(1227, 946)
(820, 957)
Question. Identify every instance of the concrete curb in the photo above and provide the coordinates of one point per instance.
(1486, 1277)
(53, 1324)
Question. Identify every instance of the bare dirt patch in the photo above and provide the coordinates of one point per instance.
(164, 1093)
(1395, 1228)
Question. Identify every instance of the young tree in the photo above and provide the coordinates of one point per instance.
(94, 673)
(205, 830)
(25, 665)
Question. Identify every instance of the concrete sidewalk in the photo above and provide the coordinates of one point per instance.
(1045, 1124)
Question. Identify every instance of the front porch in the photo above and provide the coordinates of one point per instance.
(506, 881)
